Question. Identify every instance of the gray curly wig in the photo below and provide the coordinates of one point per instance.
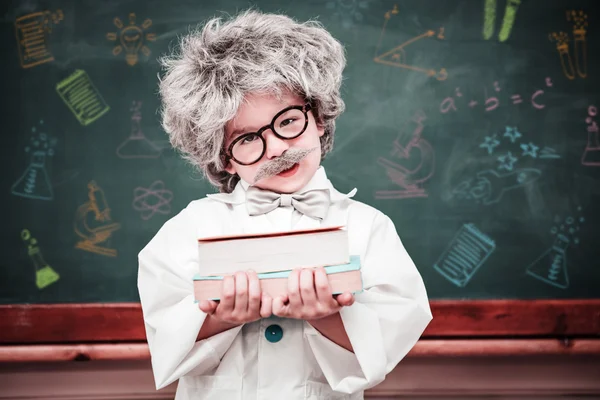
(206, 81)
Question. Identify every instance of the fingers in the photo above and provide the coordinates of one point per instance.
(266, 306)
(241, 292)
(345, 299)
(295, 298)
(253, 293)
(207, 306)
(280, 308)
(227, 302)
(322, 286)
(307, 288)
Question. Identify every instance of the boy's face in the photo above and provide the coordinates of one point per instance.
(257, 111)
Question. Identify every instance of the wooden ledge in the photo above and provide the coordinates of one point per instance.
(452, 319)
(424, 348)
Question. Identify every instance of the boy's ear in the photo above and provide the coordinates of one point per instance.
(320, 130)
(229, 168)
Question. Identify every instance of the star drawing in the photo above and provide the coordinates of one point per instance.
(530, 150)
(490, 143)
(512, 133)
(507, 161)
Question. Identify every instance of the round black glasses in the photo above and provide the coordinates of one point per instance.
(287, 124)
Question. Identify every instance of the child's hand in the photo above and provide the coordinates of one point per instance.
(309, 296)
(241, 300)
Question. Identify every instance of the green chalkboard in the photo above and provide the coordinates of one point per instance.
(471, 123)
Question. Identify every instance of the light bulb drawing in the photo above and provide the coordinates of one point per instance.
(131, 38)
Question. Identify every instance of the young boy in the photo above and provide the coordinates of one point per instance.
(253, 102)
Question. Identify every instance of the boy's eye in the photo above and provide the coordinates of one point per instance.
(249, 139)
(287, 121)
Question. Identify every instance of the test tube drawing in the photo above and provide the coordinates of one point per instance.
(81, 96)
(551, 266)
(489, 19)
(32, 37)
(466, 253)
(44, 274)
(580, 24)
(562, 46)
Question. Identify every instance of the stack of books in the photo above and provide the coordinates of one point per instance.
(273, 256)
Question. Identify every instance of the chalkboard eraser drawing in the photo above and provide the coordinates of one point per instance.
(34, 183)
(32, 37)
(137, 145)
(489, 19)
(396, 57)
(579, 19)
(93, 223)
(44, 274)
(81, 96)
(401, 167)
(591, 154)
(465, 254)
(131, 39)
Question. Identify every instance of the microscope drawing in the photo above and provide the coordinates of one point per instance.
(93, 223)
(413, 163)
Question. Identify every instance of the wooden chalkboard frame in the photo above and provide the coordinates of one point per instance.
(48, 324)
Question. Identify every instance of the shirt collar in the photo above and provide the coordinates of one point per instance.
(318, 181)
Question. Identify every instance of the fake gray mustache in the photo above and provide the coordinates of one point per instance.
(281, 163)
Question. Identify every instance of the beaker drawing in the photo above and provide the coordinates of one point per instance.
(44, 274)
(591, 154)
(137, 145)
(551, 266)
(34, 183)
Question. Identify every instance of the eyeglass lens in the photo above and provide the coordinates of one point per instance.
(251, 147)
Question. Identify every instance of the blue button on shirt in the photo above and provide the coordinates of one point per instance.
(274, 333)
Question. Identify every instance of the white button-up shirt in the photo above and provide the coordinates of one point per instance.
(383, 324)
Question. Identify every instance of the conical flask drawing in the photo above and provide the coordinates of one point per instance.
(551, 266)
(34, 183)
(44, 274)
(137, 145)
(591, 155)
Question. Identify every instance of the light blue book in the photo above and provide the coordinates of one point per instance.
(208, 287)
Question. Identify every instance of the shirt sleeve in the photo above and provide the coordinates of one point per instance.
(385, 321)
(171, 317)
